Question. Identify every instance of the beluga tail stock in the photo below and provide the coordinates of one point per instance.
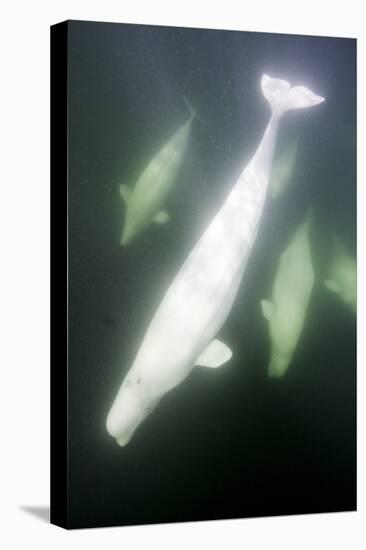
(183, 331)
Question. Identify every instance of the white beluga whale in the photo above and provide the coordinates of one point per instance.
(286, 312)
(343, 274)
(183, 331)
(145, 203)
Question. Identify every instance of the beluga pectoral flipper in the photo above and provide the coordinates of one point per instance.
(145, 203)
(183, 330)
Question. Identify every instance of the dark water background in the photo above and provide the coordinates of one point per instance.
(228, 442)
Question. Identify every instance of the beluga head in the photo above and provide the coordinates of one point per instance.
(133, 223)
(129, 232)
(279, 361)
(130, 408)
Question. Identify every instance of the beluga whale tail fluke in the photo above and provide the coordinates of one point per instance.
(282, 97)
(183, 332)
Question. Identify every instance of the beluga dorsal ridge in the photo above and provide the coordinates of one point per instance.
(183, 330)
(145, 203)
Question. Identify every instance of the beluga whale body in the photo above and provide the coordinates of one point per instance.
(343, 274)
(286, 311)
(146, 202)
(183, 330)
(283, 168)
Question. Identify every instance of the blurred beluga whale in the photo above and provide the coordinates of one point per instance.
(286, 312)
(283, 168)
(146, 202)
(183, 331)
(343, 274)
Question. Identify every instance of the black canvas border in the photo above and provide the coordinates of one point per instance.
(59, 275)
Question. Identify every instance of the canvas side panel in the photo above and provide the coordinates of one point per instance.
(59, 275)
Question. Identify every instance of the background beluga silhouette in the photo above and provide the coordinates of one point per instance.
(145, 203)
(197, 303)
(286, 312)
(283, 168)
(343, 274)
